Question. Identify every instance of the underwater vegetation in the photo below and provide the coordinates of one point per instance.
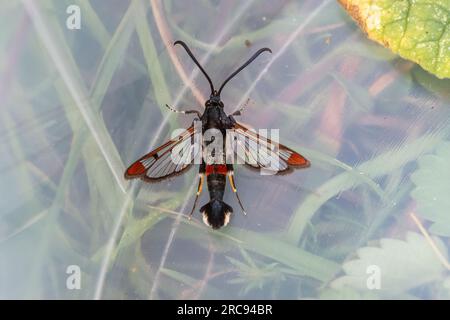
(368, 220)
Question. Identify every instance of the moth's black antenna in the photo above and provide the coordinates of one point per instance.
(242, 67)
(189, 52)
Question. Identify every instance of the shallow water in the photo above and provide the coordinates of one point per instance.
(79, 106)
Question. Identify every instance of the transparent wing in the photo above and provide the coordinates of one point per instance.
(170, 159)
(259, 152)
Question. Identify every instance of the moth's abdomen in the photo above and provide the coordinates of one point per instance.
(216, 213)
(215, 177)
(216, 168)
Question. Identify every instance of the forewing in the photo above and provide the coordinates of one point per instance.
(259, 152)
(172, 158)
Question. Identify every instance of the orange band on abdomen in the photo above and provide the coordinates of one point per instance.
(216, 168)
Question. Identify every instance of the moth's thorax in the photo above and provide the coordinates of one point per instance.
(214, 117)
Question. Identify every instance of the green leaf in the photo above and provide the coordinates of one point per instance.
(402, 264)
(417, 30)
(431, 83)
(432, 180)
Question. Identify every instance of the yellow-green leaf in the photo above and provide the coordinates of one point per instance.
(418, 30)
(399, 265)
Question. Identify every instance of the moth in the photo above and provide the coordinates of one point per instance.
(253, 149)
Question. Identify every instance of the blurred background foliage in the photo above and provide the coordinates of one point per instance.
(78, 106)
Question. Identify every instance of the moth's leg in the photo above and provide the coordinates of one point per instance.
(233, 187)
(241, 109)
(231, 121)
(201, 176)
(184, 112)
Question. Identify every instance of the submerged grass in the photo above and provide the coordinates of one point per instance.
(67, 144)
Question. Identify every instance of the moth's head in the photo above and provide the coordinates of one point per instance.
(214, 100)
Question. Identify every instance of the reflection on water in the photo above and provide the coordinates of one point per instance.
(374, 127)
